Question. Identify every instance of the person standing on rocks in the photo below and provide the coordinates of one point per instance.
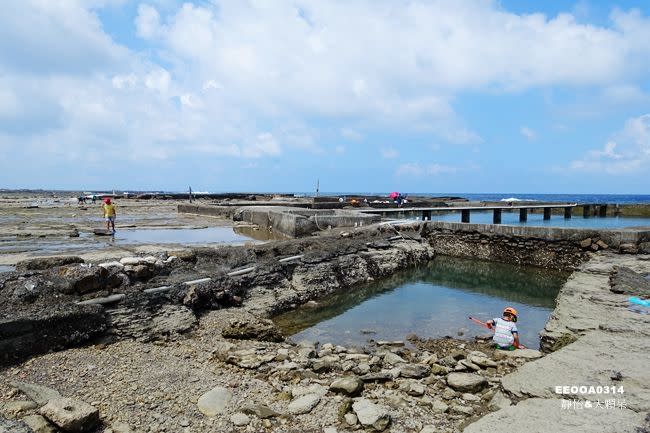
(109, 214)
(506, 334)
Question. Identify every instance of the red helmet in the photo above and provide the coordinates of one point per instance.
(107, 200)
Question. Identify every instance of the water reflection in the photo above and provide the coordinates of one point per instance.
(259, 234)
(432, 301)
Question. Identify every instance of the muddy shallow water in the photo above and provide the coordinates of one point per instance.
(431, 301)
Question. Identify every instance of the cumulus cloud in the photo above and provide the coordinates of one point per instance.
(628, 152)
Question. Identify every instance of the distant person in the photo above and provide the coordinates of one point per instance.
(109, 214)
(81, 199)
(506, 334)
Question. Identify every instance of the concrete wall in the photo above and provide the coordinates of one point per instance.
(217, 211)
(549, 247)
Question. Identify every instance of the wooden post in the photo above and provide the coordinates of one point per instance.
(585, 211)
(496, 217)
(523, 215)
(190, 194)
(547, 213)
(464, 215)
(567, 212)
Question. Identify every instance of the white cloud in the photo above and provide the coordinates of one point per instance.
(528, 133)
(125, 81)
(389, 153)
(263, 145)
(351, 134)
(628, 151)
(339, 150)
(147, 22)
(158, 79)
(416, 169)
(213, 81)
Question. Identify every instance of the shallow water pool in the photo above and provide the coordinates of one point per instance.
(207, 235)
(432, 301)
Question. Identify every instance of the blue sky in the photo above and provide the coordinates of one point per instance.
(369, 95)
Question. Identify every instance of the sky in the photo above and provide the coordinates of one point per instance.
(360, 96)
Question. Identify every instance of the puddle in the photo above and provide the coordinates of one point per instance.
(7, 268)
(260, 234)
(432, 301)
(208, 235)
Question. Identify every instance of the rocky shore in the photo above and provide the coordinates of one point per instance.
(179, 340)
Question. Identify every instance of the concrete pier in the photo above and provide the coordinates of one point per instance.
(496, 216)
(547, 213)
(464, 215)
(567, 212)
(523, 215)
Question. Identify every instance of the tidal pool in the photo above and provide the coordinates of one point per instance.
(431, 301)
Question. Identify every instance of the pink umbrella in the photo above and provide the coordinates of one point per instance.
(393, 195)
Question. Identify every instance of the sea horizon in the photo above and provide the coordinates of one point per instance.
(609, 198)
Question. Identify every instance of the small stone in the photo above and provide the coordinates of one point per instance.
(415, 371)
(71, 415)
(499, 401)
(461, 410)
(348, 385)
(240, 419)
(38, 424)
(214, 402)
(304, 404)
(371, 415)
(16, 407)
(330, 430)
(429, 429)
(392, 359)
(466, 382)
(351, 419)
(39, 393)
(438, 369)
(439, 406)
(416, 389)
(470, 397)
(260, 410)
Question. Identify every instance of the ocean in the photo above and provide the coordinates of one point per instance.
(561, 198)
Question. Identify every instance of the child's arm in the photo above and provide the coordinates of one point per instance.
(515, 334)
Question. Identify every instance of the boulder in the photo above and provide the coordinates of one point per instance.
(371, 415)
(84, 279)
(466, 382)
(71, 415)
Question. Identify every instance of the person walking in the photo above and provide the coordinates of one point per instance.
(109, 214)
